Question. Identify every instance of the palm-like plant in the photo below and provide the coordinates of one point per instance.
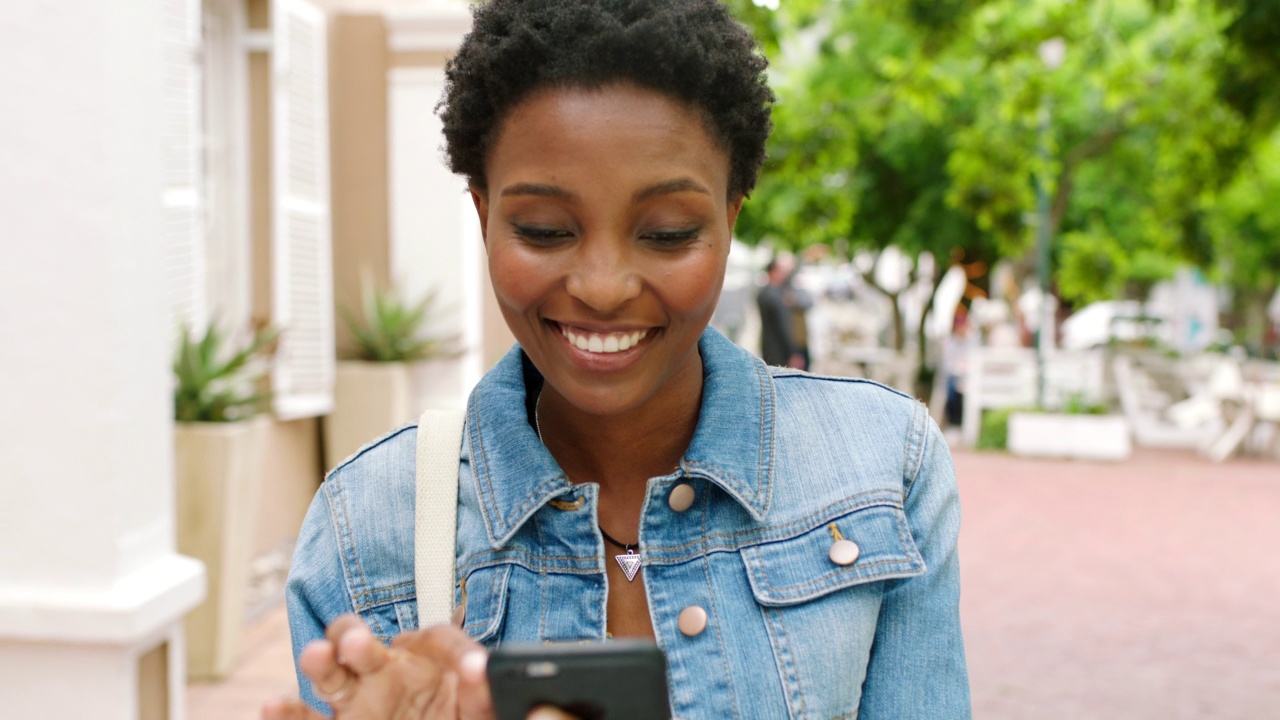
(389, 329)
(217, 385)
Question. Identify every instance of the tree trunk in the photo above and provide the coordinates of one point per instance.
(1255, 321)
(899, 323)
(895, 309)
(926, 374)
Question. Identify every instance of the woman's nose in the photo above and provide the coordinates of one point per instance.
(604, 276)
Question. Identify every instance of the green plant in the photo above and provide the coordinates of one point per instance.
(993, 431)
(215, 384)
(1077, 404)
(389, 329)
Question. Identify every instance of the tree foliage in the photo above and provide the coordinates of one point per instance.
(928, 126)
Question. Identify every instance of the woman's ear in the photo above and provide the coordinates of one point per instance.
(481, 202)
(735, 207)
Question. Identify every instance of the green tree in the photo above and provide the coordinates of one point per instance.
(864, 128)
(926, 126)
(1137, 144)
(1245, 225)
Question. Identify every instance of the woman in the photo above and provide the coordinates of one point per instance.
(796, 534)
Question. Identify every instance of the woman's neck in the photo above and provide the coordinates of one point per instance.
(621, 452)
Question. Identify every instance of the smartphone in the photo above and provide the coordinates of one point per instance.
(615, 680)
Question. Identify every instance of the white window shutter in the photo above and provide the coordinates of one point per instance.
(302, 286)
(183, 165)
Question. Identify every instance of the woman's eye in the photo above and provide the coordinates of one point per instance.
(671, 237)
(541, 235)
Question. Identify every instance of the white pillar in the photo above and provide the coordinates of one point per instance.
(89, 580)
(435, 237)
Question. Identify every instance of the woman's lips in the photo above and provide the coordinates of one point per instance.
(602, 343)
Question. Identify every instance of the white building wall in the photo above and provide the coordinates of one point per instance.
(88, 574)
(435, 243)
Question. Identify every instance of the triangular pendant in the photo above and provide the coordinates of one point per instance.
(630, 564)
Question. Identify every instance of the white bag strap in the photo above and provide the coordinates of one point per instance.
(435, 515)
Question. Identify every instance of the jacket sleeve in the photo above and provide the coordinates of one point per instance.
(917, 667)
(316, 592)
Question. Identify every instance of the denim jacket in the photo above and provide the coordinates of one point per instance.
(782, 463)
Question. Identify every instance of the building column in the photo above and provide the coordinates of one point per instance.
(92, 592)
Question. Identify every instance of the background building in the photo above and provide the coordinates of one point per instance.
(167, 162)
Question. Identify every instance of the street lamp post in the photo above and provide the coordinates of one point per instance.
(1052, 52)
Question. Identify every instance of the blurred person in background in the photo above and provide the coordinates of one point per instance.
(779, 343)
(799, 301)
(955, 364)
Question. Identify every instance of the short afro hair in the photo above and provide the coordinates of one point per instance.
(690, 50)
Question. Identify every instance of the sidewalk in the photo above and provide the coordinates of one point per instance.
(1140, 590)
(265, 672)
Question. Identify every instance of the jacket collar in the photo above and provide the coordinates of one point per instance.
(732, 444)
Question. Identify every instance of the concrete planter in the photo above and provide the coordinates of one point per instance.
(217, 493)
(1082, 437)
(371, 399)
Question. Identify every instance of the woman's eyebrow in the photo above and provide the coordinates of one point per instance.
(663, 188)
(539, 190)
(668, 187)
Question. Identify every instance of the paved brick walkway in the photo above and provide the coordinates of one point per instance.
(1146, 589)
(265, 672)
(1141, 590)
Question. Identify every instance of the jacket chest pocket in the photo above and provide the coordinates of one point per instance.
(819, 595)
(483, 596)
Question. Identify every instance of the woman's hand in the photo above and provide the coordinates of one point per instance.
(425, 674)
(546, 712)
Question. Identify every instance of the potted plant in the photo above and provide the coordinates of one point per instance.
(1079, 430)
(386, 383)
(217, 451)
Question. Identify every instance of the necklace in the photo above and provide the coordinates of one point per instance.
(628, 561)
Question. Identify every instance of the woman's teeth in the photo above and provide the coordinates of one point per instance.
(597, 343)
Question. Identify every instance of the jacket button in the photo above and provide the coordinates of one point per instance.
(681, 498)
(693, 620)
(843, 552)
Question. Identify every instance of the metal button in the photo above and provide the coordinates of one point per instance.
(681, 497)
(693, 620)
(843, 552)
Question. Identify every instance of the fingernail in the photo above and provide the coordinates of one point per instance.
(472, 664)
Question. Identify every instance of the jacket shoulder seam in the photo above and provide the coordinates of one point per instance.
(780, 374)
(369, 447)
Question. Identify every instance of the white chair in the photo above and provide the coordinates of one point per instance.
(1158, 408)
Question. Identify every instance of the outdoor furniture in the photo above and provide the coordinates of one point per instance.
(1154, 396)
(1248, 395)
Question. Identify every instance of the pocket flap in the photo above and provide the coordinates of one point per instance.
(800, 568)
(485, 593)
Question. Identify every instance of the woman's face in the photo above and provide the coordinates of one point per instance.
(607, 222)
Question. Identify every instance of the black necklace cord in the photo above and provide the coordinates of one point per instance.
(610, 539)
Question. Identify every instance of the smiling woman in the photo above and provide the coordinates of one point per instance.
(788, 540)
